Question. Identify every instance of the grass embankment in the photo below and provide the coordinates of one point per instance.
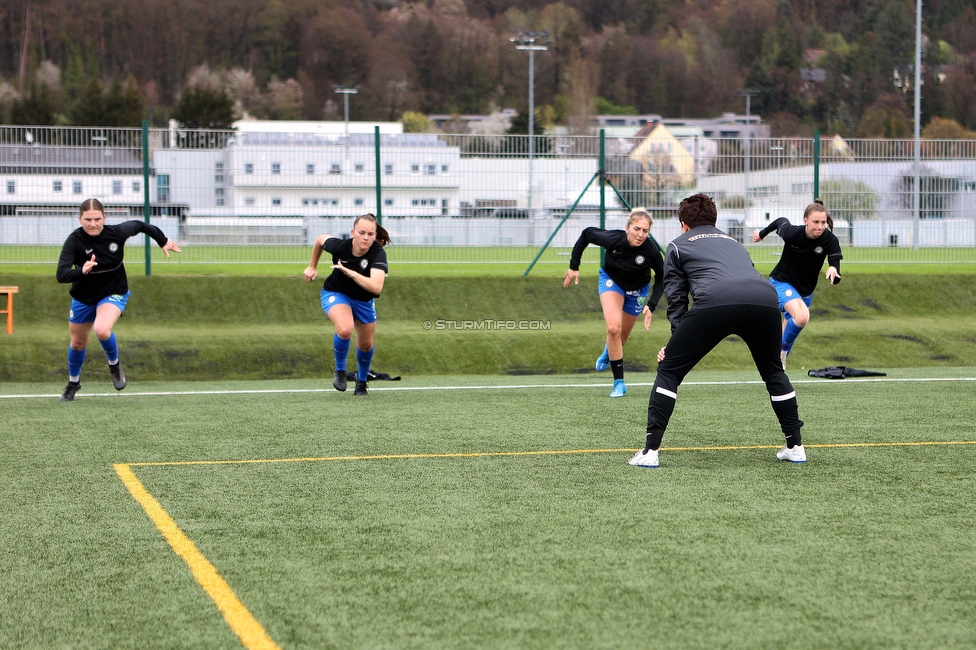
(266, 327)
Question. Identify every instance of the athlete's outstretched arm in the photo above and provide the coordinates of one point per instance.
(311, 271)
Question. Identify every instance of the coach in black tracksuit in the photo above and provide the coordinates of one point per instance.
(730, 297)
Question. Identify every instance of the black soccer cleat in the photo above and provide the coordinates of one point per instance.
(339, 383)
(361, 388)
(69, 391)
(118, 377)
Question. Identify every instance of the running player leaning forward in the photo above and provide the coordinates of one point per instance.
(632, 254)
(730, 297)
(91, 260)
(359, 269)
(795, 276)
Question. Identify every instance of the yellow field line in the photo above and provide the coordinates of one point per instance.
(541, 452)
(244, 625)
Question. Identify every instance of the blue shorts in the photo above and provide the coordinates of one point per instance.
(363, 311)
(785, 293)
(82, 313)
(633, 300)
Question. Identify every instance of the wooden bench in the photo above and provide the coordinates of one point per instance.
(9, 311)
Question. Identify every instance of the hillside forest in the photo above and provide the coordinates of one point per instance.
(841, 66)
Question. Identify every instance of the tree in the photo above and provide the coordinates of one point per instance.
(850, 199)
(124, 103)
(414, 122)
(38, 106)
(204, 107)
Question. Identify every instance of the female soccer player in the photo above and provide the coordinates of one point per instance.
(91, 260)
(624, 285)
(359, 269)
(795, 276)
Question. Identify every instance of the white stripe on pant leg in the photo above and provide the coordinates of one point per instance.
(782, 398)
(664, 391)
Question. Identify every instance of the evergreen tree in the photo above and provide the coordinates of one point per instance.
(38, 106)
(89, 108)
(205, 108)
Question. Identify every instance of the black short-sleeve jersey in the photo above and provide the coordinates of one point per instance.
(339, 282)
(802, 257)
(108, 278)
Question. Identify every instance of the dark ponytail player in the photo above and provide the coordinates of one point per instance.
(91, 260)
(359, 269)
(796, 274)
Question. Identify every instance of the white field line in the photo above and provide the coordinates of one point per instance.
(270, 391)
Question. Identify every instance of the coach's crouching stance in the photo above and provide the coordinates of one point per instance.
(730, 297)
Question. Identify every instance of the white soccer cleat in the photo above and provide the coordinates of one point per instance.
(796, 455)
(644, 458)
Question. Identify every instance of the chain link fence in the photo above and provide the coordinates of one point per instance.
(264, 192)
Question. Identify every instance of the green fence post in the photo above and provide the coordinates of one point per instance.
(379, 188)
(603, 181)
(145, 190)
(816, 165)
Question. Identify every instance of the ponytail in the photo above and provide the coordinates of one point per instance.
(382, 236)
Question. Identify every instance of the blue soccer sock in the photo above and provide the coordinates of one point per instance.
(363, 359)
(341, 348)
(111, 349)
(75, 360)
(790, 333)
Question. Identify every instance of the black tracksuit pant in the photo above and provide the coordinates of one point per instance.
(697, 333)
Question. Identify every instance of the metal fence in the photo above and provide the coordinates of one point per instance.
(263, 193)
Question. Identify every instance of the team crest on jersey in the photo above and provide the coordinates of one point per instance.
(331, 299)
(639, 259)
(787, 293)
(608, 284)
(71, 313)
(113, 247)
(363, 264)
(818, 250)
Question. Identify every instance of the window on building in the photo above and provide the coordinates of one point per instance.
(388, 170)
(444, 207)
(309, 168)
(57, 185)
(415, 169)
(76, 187)
(275, 201)
(162, 188)
(249, 201)
(360, 168)
(430, 170)
(136, 186)
(443, 169)
(275, 168)
(11, 187)
(388, 202)
(358, 202)
(219, 172)
(219, 191)
(248, 168)
(414, 202)
(335, 169)
(333, 202)
(116, 187)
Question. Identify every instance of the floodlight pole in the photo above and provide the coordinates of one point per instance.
(749, 94)
(345, 91)
(528, 41)
(916, 190)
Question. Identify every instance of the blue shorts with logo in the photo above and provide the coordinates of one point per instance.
(82, 313)
(363, 311)
(633, 300)
(785, 293)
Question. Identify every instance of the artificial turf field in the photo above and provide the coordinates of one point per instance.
(488, 512)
